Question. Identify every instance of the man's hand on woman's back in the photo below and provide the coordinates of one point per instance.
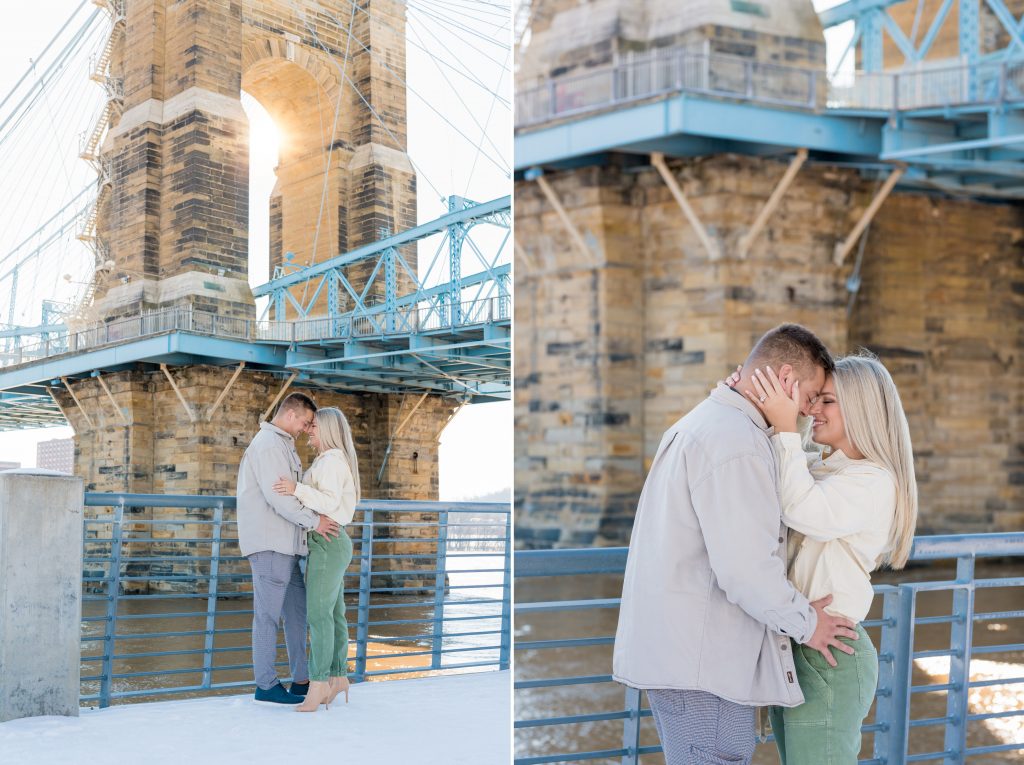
(830, 628)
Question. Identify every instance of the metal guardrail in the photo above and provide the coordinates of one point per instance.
(402, 321)
(153, 552)
(896, 651)
(662, 71)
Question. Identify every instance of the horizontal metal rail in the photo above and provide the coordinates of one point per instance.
(663, 71)
(141, 593)
(891, 728)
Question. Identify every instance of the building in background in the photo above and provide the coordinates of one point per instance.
(56, 454)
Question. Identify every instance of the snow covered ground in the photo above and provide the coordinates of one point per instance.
(444, 720)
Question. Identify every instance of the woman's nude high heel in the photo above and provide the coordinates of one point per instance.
(319, 693)
(338, 684)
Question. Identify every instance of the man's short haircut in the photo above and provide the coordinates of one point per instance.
(792, 344)
(296, 402)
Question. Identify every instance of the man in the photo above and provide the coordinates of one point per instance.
(272, 535)
(707, 611)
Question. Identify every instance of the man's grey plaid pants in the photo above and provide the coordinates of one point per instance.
(698, 728)
(278, 591)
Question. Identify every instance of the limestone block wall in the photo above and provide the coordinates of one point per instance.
(570, 36)
(942, 304)
(610, 352)
(578, 360)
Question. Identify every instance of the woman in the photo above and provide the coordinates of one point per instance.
(852, 511)
(331, 488)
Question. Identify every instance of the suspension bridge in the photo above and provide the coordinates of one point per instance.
(402, 307)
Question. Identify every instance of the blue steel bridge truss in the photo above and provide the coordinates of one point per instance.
(451, 338)
(954, 126)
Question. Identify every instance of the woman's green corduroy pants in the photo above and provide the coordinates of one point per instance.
(325, 605)
(825, 729)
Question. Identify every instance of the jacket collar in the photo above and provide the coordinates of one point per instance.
(723, 394)
(272, 428)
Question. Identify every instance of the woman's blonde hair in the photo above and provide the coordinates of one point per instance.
(334, 433)
(877, 426)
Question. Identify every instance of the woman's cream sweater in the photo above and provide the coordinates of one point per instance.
(328, 487)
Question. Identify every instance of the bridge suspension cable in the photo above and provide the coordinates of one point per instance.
(40, 119)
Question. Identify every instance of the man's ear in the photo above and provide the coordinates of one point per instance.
(787, 377)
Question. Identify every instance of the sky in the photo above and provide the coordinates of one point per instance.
(449, 115)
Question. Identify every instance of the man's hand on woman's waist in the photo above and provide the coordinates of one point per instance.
(828, 631)
(327, 527)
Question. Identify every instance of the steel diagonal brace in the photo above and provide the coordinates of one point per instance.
(447, 422)
(57, 404)
(552, 197)
(658, 160)
(223, 393)
(843, 248)
(396, 432)
(77, 402)
(181, 398)
(110, 397)
(772, 204)
(934, 29)
(902, 42)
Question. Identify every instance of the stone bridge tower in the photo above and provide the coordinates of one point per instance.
(173, 215)
(172, 222)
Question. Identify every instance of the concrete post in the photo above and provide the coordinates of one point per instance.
(40, 593)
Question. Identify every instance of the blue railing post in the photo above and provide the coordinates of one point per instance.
(211, 598)
(439, 566)
(363, 612)
(505, 655)
(902, 648)
(961, 633)
(888, 651)
(631, 728)
(113, 588)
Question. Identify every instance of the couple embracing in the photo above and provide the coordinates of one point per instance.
(284, 517)
(751, 556)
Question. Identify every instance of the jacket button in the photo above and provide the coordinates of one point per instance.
(780, 540)
(785, 647)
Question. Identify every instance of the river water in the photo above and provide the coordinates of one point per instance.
(605, 697)
(232, 653)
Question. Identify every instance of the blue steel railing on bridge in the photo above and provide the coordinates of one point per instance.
(896, 652)
(404, 320)
(139, 570)
(662, 71)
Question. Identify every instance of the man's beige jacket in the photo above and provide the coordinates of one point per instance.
(267, 520)
(705, 602)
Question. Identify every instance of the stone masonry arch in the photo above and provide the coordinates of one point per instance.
(176, 223)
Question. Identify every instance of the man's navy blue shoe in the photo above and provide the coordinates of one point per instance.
(276, 694)
(299, 689)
